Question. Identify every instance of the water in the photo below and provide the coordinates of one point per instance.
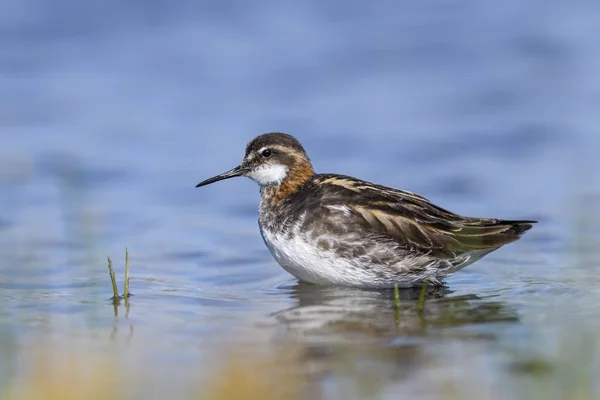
(113, 111)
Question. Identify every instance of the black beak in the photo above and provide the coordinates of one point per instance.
(232, 173)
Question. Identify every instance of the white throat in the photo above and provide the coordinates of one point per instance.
(268, 174)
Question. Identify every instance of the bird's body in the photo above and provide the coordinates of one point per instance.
(337, 230)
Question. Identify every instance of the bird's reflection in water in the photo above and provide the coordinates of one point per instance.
(353, 329)
(335, 313)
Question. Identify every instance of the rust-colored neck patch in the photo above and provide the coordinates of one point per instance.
(300, 170)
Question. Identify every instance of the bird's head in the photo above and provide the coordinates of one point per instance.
(271, 160)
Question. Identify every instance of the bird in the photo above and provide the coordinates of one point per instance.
(337, 230)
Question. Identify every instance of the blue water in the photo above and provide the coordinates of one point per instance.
(113, 111)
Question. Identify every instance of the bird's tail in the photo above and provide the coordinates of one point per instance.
(480, 234)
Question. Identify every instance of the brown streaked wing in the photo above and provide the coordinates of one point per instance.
(415, 222)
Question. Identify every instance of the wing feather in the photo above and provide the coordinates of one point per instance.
(416, 223)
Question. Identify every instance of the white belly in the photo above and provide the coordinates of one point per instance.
(300, 257)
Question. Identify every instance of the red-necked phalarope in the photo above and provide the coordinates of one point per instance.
(337, 230)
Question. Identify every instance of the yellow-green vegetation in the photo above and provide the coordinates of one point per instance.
(67, 376)
(396, 296)
(126, 290)
(421, 304)
(271, 371)
(259, 376)
(243, 373)
(113, 279)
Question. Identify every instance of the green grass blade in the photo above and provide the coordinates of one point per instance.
(113, 279)
(421, 303)
(126, 293)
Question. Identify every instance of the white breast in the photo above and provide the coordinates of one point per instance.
(299, 254)
(300, 257)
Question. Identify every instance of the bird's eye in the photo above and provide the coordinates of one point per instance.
(266, 153)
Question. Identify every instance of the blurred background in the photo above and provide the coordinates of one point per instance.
(112, 111)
